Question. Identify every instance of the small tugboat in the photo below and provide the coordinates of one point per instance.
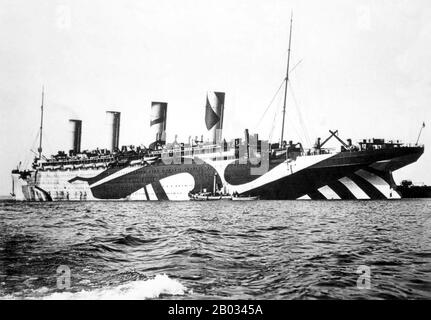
(245, 198)
(237, 197)
(204, 196)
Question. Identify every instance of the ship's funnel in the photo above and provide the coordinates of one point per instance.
(214, 111)
(113, 124)
(158, 120)
(75, 135)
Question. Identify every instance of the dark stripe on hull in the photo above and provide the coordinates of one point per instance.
(47, 195)
(237, 174)
(367, 187)
(100, 176)
(342, 191)
(146, 193)
(159, 191)
(385, 175)
(366, 158)
(303, 182)
(121, 187)
(316, 195)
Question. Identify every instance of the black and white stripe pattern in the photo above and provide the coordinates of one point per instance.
(364, 184)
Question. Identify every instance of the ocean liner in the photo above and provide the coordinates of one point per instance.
(245, 166)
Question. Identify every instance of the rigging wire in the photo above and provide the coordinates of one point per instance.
(294, 67)
(300, 116)
(292, 125)
(48, 145)
(275, 95)
(273, 127)
(27, 157)
(273, 123)
(271, 102)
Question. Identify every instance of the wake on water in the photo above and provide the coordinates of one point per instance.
(135, 290)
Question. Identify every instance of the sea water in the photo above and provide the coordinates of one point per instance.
(216, 250)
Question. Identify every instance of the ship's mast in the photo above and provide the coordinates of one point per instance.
(286, 81)
(39, 150)
(214, 183)
(420, 131)
(13, 188)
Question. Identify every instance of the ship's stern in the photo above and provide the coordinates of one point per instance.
(24, 188)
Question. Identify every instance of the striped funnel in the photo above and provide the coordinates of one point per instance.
(214, 111)
(158, 120)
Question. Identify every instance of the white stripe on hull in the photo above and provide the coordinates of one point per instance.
(282, 170)
(379, 183)
(178, 186)
(304, 197)
(151, 193)
(354, 188)
(115, 175)
(328, 193)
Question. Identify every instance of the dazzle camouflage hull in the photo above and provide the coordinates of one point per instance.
(342, 175)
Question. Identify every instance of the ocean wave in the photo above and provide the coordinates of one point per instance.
(130, 240)
(135, 290)
(307, 250)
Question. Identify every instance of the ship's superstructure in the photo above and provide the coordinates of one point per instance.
(245, 166)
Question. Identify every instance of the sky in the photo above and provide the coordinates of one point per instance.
(362, 67)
